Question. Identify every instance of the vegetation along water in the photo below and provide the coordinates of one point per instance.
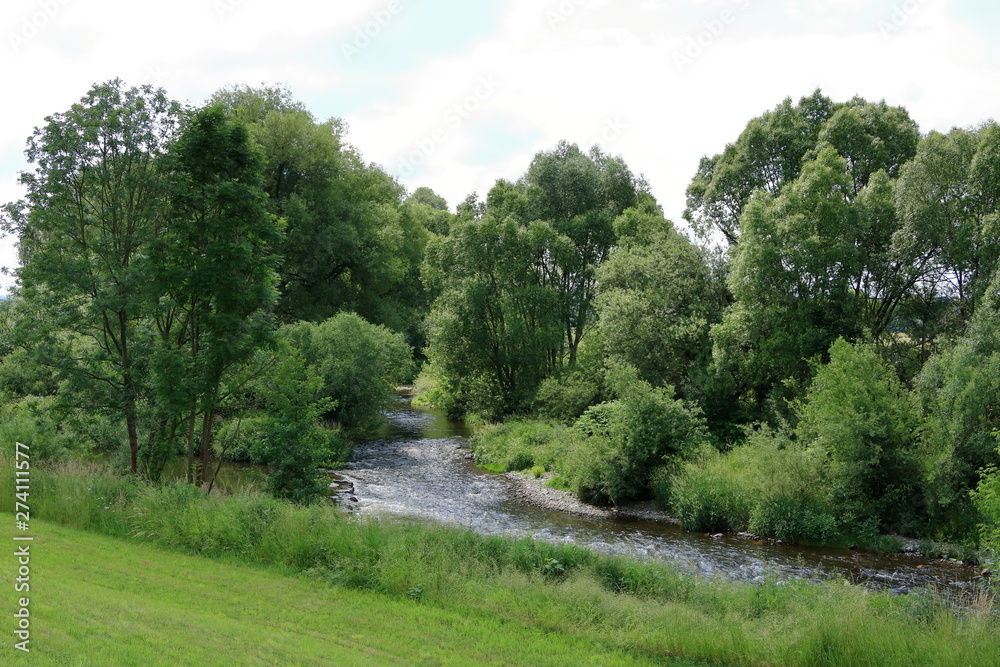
(813, 358)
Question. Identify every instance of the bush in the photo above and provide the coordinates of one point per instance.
(858, 413)
(793, 519)
(543, 443)
(986, 499)
(430, 390)
(710, 495)
(565, 398)
(959, 394)
(290, 439)
(360, 365)
(625, 441)
(30, 421)
(518, 462)
(771, 485)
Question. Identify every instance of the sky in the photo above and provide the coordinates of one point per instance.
(454, 95)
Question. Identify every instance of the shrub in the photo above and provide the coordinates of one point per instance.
(360, 364)
(544, 443)
(565, 398)
(625, 441)
(30, 421)
(793, 519)
(430, 389)
(986, 499)
(771, 485)
(959, 395)
(291, 440)
(860, 415)
(710, 495)
(520, 461)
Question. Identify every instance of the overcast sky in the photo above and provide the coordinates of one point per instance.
(454, 95)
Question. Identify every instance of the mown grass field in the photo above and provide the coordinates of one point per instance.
(97, 600)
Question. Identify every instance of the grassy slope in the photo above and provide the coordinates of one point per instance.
(97, 600)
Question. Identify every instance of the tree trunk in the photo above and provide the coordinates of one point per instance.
(206, 442)
(190, 446)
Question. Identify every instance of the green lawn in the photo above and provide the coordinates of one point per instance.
(101, 601)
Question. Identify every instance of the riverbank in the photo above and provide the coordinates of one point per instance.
(536, 491)
(528, 489)
(413, 592)
(534, 454)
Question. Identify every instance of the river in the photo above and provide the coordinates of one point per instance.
(418, 469)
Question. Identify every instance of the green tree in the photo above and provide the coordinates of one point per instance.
(495, 327)
(768, 153)
(792, 278)
(773, 149)
(347, 245)
(949, 202)
(959, 396)
(360, 365)
(290, 440)
(515, 280)
(433, 215)
(95, 199)
(428, 197)
(579, 196)
(656, 300)
(858, 412)
(871, 137)
(212, 275)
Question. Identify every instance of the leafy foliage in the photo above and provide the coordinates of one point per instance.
(347, 244)
(860, 415)
(95, 201)
(656, 301)
(212, 275)
(627, 439)
(359, 363)
(292, 442)
(959, 398)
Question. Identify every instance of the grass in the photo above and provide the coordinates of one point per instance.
(636, 613)
(98, 598)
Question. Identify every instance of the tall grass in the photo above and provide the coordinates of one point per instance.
(770, 486)
(648, 607)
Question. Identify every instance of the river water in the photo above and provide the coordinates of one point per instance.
(418, 470)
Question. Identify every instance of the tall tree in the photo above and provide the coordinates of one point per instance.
(212, 271)
(428, 197)
(544, 237)
(95, 200)
(791, 280)
(949, 202)
(657, 300)
(579, 196)
(495, 326)
(771, 152)
(767, 154)
(347, 246)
